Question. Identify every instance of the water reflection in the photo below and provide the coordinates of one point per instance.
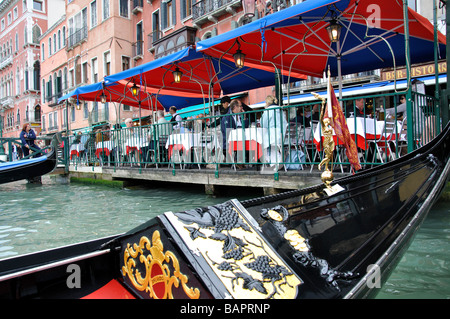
(37, 217)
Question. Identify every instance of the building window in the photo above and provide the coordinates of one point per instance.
(105, 9)
(84, 72)
(93, 13)
(64, 36)
(37, 113)
(43, 52)
(168, 14)
(85, 110)
(186, 8)
(17, 42)
(107, 59)
(36, 33)
(43, 123)
(94, 67)
(125, 63)
(123, 8)
(78, 27)
(38, 5)
(15, 13)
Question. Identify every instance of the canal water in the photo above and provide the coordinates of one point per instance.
(38, 217)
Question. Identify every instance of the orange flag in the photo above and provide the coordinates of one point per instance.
(339, 125)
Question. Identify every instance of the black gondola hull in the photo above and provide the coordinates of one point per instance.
(28, 169)
(298, 244)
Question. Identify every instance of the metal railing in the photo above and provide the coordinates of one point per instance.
(11, 148)
(270, 140)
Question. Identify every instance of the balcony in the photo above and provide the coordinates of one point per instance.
(208, 10)
(7, 103)
(137, 6)
(52, 100)
(173, 42)
(77, 37)
(6, 61)
(138, 50)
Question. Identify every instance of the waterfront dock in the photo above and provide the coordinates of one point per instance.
(214, 181)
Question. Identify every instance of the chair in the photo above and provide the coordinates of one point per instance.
(295, 141)
(310, 146)
(211, 148)
(383, 144)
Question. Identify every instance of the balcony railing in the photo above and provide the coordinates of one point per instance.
(138, 49)
(77, 37)
(204, 8)
(4, 62)
(137, 6)
(52, 100)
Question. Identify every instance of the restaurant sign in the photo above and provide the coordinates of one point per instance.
(419, 70)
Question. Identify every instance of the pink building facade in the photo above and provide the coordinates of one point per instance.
(21, 24)
(103, 37)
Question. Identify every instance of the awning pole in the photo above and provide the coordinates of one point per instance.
(409, 113)
(436, 44)
(446, 99)
(278, 89)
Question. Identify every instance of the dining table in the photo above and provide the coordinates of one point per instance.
(362, 130)
(76, 149)
(247, 139)
(183, 142)
(105, 147)
(135, 143)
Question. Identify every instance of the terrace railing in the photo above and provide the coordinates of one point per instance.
(292, 142)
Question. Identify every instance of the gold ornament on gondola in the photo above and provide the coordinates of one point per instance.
(275, 215)
(328, 144)
(296, 240)
(157, 280)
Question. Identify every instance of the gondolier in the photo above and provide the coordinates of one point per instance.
(28, 136)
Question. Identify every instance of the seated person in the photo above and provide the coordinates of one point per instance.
(274, 120)
(359, 109)
(231, 121)
(158, 134)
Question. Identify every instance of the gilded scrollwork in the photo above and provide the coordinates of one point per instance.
(245, 264)
(157, 280)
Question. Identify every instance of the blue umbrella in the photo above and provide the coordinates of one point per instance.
(372, 36)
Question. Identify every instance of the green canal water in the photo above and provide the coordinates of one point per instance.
(38, 217)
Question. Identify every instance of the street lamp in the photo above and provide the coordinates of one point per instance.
(134, 90)
(103, 98)
(334, 30)
(239, 57)
(177, 75)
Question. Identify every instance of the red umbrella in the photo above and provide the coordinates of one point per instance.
(297, 38)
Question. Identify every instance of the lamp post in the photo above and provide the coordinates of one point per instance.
(177, 75)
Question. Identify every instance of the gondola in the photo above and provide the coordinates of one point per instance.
(301, 244)
(28, 168)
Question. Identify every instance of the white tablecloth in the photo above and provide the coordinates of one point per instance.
(75, 149)
(364, 129)
(247, 134)
(187, 140)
